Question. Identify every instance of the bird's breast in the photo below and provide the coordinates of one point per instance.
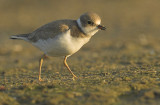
(61, 45)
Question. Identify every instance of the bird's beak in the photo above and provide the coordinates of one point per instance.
(101, 27)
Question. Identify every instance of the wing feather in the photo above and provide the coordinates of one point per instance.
(50, 30)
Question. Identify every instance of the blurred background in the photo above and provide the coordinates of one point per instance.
(130, 24)
(125, 16)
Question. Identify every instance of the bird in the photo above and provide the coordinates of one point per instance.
(63, 37)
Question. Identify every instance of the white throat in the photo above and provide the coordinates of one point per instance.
(87, 30)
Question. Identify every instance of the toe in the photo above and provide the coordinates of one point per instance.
(74, 77)
(40, 80)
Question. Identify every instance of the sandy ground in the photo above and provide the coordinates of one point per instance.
(119, 66)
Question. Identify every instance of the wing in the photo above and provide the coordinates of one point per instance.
(50, 30)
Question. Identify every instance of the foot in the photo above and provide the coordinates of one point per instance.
(41, 80)
(74, 77)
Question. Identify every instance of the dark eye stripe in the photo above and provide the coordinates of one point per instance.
(89, 22)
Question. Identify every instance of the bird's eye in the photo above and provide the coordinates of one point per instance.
(89, 22)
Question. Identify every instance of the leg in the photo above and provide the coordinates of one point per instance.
(65, 63)
(40, 66)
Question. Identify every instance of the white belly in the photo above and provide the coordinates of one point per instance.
(61, 45)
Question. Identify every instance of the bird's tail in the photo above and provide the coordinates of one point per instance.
(20, 37)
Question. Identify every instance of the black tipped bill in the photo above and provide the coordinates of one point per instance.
(101, 27)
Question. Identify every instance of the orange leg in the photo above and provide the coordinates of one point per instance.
(40, 66)
(65, 63)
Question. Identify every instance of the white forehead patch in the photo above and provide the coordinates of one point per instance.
(98, 22)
